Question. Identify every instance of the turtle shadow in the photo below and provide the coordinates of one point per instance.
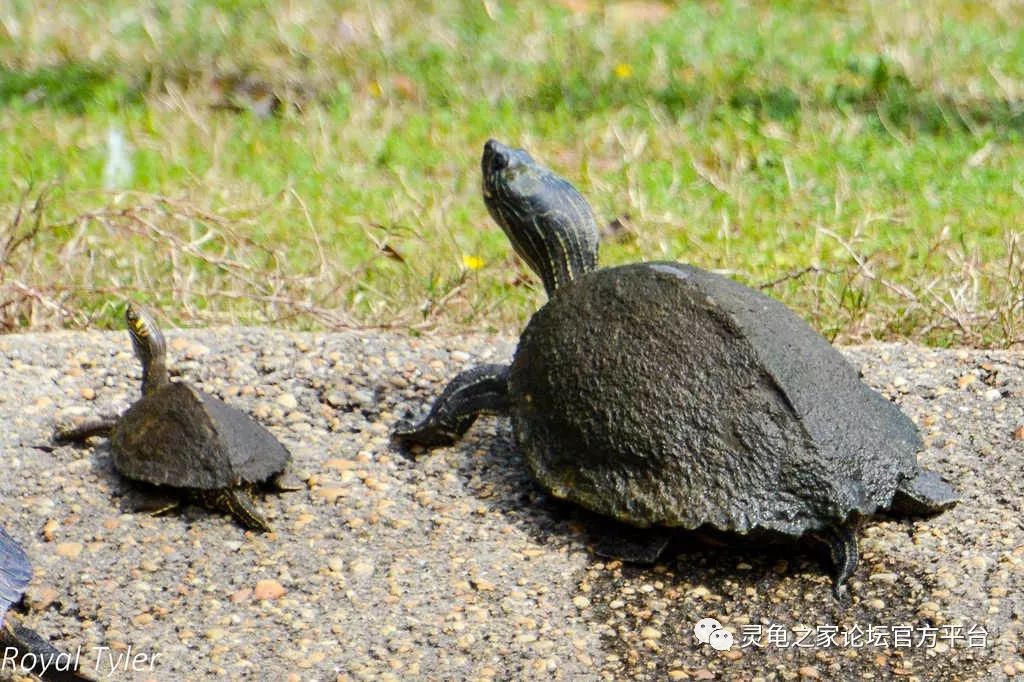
(128, 497)
(722, 561)
(99, 455)
(501, 480)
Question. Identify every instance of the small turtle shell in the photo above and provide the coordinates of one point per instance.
(661, 394)
(15, 572)
(182, 437)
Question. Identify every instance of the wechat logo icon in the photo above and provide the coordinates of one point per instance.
(710, 631)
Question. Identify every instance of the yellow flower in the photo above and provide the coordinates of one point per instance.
(472, 262)
(623, 71)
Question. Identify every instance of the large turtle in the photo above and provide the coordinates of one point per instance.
(662, 395)
(25, 648)
(179, 437)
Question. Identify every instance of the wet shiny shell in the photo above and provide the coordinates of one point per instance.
(661, 394)
(182, 437)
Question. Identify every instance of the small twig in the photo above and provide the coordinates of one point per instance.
(798, 274)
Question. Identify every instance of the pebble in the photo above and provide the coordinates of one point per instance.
(341, 464)
(287, 401)
(49, 529)
(215, 634)
(268, 590)
(69, 550)
(40, 598)
(361, 569)
(194, 351)
(329, 493)
(700, 592)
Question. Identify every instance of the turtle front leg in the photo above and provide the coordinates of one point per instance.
(236, 501)
(841, 542)
(79, 434)
(479, 390)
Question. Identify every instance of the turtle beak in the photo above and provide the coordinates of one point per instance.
(495, 160)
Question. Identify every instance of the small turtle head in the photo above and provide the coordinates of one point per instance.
(549, 223)
(150, 347)
(501, 165)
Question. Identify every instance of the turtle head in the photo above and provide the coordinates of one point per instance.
(549, 223)
(150, 347)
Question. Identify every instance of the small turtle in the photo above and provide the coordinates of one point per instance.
(661, 395)
(179, 437)
(28, 650)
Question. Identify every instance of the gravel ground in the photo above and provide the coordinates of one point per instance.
(456, 566)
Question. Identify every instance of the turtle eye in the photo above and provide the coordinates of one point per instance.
(500, 162)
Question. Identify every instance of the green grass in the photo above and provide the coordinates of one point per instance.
(862, 160)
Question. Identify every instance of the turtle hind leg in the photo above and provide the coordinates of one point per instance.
(30, 651)
(155, 502)
(83, 432)
(482, 389)
(238, 502)
(841, 542)
(923, 495)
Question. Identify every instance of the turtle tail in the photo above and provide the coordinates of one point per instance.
(239, 503)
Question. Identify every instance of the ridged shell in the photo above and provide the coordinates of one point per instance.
(661, 394)
(182, 437)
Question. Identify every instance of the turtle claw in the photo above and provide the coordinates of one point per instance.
(430, 433)
(841, 593)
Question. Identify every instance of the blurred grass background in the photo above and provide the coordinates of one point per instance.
(316, 164)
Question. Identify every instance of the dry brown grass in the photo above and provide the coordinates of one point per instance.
(211, 271)
(859, 159)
